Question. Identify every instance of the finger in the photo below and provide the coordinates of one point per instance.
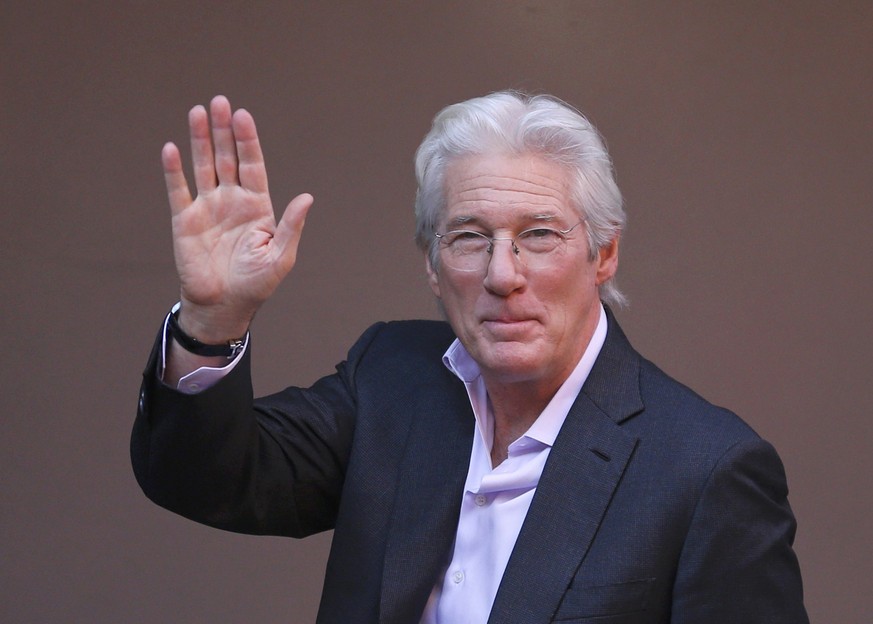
(290, 228)
(252, 172)
(223, 143)
(177, 187)
(201, 150)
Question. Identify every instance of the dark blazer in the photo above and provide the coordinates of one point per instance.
(654, 505)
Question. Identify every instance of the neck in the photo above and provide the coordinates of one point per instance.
(515, 407)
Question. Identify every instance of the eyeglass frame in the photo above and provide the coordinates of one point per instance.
(515, 249)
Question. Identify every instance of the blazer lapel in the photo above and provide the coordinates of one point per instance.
(584, 468)
(427, 503)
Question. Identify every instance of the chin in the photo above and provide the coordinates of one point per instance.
(512, 365)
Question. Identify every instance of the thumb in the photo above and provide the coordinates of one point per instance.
(290, 228)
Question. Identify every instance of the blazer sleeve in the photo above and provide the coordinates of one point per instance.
(737, 564)
(271, 466)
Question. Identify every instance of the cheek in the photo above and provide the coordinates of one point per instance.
(460, 287)
(561, 288)
(568, 294)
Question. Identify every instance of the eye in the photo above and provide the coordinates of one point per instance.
(538, 240)
(540, 233)
(466, 241)
(466, 235)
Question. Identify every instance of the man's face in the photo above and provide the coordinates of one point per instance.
(521, 325)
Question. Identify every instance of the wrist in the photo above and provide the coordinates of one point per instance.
(211, 324)
(221, 343)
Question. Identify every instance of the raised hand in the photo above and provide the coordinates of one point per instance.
(230, 252)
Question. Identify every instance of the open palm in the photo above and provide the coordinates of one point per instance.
(230, 252)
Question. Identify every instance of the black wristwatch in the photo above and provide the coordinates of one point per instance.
(229, 349)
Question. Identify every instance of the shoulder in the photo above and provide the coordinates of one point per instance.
(681, 413)
(413, 345)
(663, 412)
(419, 333)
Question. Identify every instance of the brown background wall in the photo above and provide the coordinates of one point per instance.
(742, 136)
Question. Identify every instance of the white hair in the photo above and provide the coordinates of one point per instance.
(515, 123)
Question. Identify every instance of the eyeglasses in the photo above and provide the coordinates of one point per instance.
(536, 248)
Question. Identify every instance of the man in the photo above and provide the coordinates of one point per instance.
(521, 463)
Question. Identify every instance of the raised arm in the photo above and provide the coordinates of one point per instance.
(230, 252)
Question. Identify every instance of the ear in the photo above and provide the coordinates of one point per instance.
(433, 278)
(607, 261)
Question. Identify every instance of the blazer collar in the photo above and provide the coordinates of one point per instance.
(614, 382)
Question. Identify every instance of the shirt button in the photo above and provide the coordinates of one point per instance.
(194, 387)
(481, 500)
(458, 576)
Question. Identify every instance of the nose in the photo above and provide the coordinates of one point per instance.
(504, 274)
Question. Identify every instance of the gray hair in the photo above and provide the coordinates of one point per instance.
(514, 123)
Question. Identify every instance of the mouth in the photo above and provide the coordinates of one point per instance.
(504, 324)
(506, 316)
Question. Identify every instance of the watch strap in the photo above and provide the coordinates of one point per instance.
(229, 349)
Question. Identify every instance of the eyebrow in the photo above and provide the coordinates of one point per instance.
(462, 220)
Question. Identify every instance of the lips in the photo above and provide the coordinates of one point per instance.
(507, 326)
(505, 318)
(507, 321)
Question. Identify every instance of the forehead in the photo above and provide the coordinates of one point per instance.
(498, 190)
